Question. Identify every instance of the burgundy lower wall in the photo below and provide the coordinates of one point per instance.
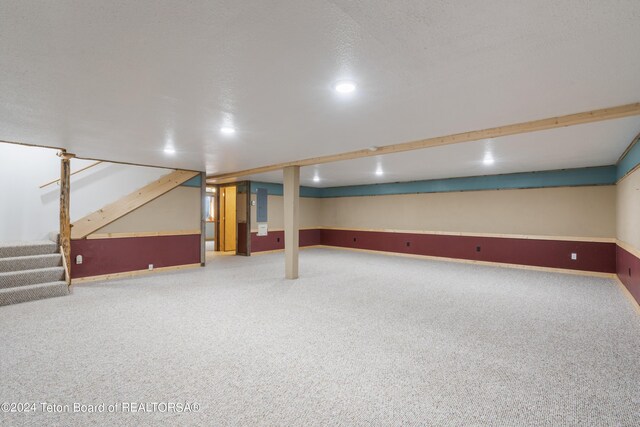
(628, 270)
(118, 255)
(592, 256)
(275, 240)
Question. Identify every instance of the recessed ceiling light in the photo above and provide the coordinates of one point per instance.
(316, 178)
(345, 87)
(379, 171)
(169, 150)
(227, 130)
(488, 159)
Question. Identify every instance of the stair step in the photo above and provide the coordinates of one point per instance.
(18, 249)
(30, 262)
(33, 292)
(12, 279)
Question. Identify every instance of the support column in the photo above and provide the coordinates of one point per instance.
(65, 219)
(291, 220)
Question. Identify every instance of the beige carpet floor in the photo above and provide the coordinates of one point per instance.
(359, 339)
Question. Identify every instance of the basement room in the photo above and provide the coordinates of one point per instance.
(319, 213)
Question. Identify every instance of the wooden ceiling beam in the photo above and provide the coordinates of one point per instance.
(495, 132)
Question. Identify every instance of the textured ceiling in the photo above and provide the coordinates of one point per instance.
(120, 80)
(595, 144)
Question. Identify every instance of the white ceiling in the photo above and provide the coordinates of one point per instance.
(118, 80)
(594, 144)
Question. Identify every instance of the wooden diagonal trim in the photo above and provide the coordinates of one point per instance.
(142, 234)
(513, 129)
(71, 174)
(100, 218)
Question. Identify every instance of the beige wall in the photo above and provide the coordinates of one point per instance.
(177, 210)
(310, 210)
(628, 211)
(565, 211)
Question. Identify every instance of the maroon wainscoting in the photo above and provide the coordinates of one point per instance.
(628, 266)
(118, 255)
(275, 240)
(592, 256)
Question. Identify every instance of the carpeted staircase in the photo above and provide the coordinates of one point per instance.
(30, 271)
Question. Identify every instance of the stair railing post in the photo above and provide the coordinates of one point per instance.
(65, 219)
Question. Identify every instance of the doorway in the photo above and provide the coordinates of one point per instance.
(233, 233)
(228, 219)
(211, 218)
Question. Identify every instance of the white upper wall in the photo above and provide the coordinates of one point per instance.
(30, 213)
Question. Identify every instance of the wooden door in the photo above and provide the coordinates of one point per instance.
(228, 219)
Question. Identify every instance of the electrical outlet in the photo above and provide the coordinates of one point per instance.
(478, 248)
(78, 259)
(574, 256)
(150, 266)
(408, 244)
